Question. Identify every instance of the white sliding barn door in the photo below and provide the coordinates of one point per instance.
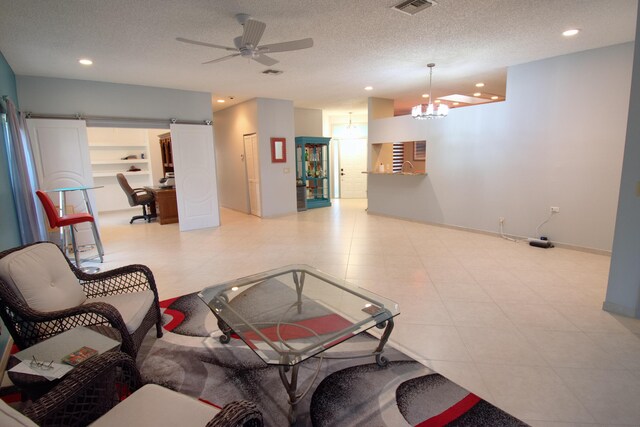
(61, 154)
(194, 163)
(253, 173)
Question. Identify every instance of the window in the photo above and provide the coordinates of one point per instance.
(420, 150)
(398, 156)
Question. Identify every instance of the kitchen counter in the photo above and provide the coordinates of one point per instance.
(395, 173)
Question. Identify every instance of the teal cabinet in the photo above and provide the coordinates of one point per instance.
(312, 171)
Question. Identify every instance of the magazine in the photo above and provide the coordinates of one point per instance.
(79, 356)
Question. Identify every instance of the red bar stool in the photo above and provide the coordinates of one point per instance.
(69, 220)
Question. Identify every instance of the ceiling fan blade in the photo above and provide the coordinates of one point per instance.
(217, 46)
(224, 58)
(286, 46)
(265, 60)
(252, 32)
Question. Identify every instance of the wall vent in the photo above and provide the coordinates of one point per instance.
(272, 72)
(411, 7)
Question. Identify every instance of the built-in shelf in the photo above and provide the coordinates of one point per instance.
(114, 173)
(102, 145)
(115, 162)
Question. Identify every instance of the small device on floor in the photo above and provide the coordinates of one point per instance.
(542, 242)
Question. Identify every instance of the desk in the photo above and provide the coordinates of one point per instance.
(166, 204)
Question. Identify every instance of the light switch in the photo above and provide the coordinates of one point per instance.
(285, 170)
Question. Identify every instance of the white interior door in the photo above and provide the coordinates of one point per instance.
(353, 161)
(61, 154)
(194, 163)
(253, 173)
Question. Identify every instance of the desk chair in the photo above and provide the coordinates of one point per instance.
(69, 220)
(138, 197)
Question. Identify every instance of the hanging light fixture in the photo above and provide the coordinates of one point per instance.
(351, 130)
(422, 111)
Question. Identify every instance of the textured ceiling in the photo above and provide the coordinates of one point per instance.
(357, 43)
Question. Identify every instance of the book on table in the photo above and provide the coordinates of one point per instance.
(79, 356)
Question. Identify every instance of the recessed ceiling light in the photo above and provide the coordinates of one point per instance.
(85, 61)
(571, 32)
(456, 103)
(437, 101)
(368, 88)
(221, 101)
(494, 97)
(477, 94)
(480, 84)
(425, 95)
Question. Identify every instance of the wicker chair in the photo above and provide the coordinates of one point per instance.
(100, 294)
(93, 393)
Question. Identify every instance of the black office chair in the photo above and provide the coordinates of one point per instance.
(139, 197)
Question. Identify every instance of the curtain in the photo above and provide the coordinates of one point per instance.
(24, 180)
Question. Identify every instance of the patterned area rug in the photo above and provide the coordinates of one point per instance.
(190, 359)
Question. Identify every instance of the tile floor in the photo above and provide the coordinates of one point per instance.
(521, 327)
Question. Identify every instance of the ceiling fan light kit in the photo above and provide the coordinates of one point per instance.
(426, 111)
(247, 45)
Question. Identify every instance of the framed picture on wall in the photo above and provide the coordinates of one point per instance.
(419, 150)
(278, 150)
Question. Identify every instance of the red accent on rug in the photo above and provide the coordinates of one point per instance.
(453, 413)
(167, 302)
(13, 397)
(321, 325)
(209, 403)
(176, 316)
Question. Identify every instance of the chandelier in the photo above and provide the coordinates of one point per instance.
(422, 111)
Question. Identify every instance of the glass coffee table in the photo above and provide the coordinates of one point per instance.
(292, 313)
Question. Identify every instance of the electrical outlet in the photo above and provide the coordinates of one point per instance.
(501, 219)
(555, 209)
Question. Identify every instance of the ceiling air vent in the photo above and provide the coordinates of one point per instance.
(272, 72)
(411, 7)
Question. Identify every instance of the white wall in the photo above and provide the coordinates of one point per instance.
(557, 141)
(45, 95)
(623, 293)
(277, 180)
(308, 122)
(267, 118)
(230, 125)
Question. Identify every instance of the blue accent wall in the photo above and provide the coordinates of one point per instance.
(9, 234)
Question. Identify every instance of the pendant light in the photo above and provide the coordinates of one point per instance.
(422, 111)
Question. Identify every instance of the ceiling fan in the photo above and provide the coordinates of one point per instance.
(246, 45)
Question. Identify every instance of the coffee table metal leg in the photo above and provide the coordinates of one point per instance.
(299, 282)
(226, 331)
(380, 359)
(291, 387)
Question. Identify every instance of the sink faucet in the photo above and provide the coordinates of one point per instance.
(410, 164)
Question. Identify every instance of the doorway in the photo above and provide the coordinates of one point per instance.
(352, 158)
(252, 163)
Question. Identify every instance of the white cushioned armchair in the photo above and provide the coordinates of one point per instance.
(42, 294)
(93, 393)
